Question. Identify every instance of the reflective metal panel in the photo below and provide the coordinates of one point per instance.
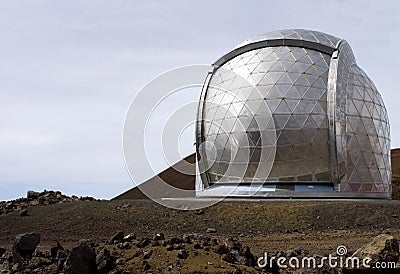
(368, 146)
(293, 87)
(289, 108)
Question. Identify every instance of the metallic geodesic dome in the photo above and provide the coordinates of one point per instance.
(290, 114)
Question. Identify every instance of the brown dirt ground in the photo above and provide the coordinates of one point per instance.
(265, 226)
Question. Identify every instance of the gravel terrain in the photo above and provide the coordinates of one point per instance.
(311, 226)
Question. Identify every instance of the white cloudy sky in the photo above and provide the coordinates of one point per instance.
(69, 69)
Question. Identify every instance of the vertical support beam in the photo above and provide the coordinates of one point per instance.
(331, 112)
(200, 153)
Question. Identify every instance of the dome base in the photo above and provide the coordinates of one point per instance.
(286, 190)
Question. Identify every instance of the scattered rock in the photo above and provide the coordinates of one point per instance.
(120, 261)
(222, 249)
(182, 254)
(174, 241)
(23, 212)
(62, 256)
(146, 266)
(129, 237)
(125, 245)
(37, 262)
(147, 254)
(229, 258)
(300, 251)
(54, 249)
(32, 194)
(177, 263)
(187, 239)
(124, 206)
(104, 261)
(34, 198)
(34, 203)
(196, 245)
(117, 237)
(211, 230)
(81, 259)
(384, 248)
(246, 257)
(159, 237)
(291, 253)
(2, 251)
(232, 252)
(145, 242)
(25, 245)
(199, 212)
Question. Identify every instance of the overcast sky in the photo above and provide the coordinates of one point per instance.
(69, 69)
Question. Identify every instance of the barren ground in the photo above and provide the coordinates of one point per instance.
(265, 226)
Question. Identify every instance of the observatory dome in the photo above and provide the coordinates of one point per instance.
(290, 114)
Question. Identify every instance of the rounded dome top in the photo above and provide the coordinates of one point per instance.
(302, 38)
(295, 34)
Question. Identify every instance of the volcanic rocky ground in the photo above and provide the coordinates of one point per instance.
(140, 236)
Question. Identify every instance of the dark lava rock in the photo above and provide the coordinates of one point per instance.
(222, 249)
(187, 239)
(130, 237)
(196, 245)
(62, 256)
(117, 237)
(2, 251)
(246, 257)
(104, 261)
(174, 241)
(32, 194)
(146, 266)
(291, 253)
(124, 245)
(36, 198)
(54, 249)
(233, 244)
(147, 254)
(145, 242)
(234, 253)
(81, 259)
(183, 254)
(23, 212)
(159, 237)
(199, 212)
(229, 258)
(300, 250)
(25, 245)
(37, 262)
